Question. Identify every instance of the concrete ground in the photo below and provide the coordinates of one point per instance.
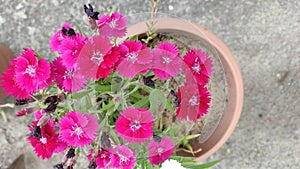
(264, 36)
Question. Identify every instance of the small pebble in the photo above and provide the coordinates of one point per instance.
(2, 20)
(281, 75)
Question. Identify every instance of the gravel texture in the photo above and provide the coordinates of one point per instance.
(264, 36)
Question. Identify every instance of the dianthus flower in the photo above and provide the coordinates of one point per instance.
(44, 146)
(58, 37)
(77, 129)
(31, 74)
(200, 64)
(9, 84)
(66, 78)
(103, 158)
(123, 157)
(135, 125)
(136, 57)
(160, 151)
(166, 62)
(97, 58)
(70, 48)
(193, 103)
(171, 164)
(112, 25)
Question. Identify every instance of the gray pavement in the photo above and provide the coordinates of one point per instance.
(264, 36)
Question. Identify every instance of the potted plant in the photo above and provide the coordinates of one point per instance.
(136, 98)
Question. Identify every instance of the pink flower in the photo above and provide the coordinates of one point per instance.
(204, 101)
(193, 104)
(25, 111)
(58, 37)
(60, 146)
(123, 157)
(31, 74)
(44, 147)
(189, 103)
(9, 84)
(200, 64)
(97, 58)
(166, 60)
(65, 78)
(114, 25)
(135, 125)
(77, 129)
(136, 58)
(160, 151)
(70, 48)
(103, 158)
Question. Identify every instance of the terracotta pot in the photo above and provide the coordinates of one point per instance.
(5, 56)
(234, 99)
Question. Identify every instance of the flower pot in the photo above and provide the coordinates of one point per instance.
(5, 56)
(233, 100)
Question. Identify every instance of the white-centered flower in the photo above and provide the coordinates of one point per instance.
(171, 164)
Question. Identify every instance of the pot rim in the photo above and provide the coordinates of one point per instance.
(233, 75)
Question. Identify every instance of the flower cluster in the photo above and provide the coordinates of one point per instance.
(96, 94)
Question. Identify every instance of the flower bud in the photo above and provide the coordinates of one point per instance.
(58, 166)
(64, 159)
(71, 153)
(25, 111)
(44, 120)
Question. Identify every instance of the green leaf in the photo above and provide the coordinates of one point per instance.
(192, 165)
(141, 103)
(183, 51)
(80, 30)
(182, 159)
(108, 106)
(153, 35)
(88, 103)
(170, 107)
(117, 83)
(158, 100)
(114, 136)
(102, 88)
(134, 38)
(80, 94)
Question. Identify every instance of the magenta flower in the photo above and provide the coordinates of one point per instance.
(31, 74)
(65, 78)
(77, 129)
(60, 146)
(123, 157)
(9, 84)
(70, 48)
(25, 111)
(204, 101)
(136, 58)
(97, 58)
(200, 64)
(160, 151)
(135, 125)
(58, 37)
(193, 103)
(103, 158)
(114, 25)
(44, 147)
(189, 103)
(166, 60)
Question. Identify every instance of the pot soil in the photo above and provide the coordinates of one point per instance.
(226, 91)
